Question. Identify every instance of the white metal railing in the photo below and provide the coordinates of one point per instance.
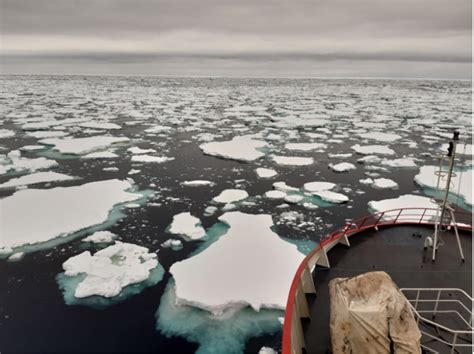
(437, 301)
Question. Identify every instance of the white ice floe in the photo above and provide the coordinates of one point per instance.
(241, 148)
(403, 201)
(158, 129)
(342, 167)
(231, 195)
(372, 150)
(275, 194)
(100, 237)
(239, 268)
(402, 162)
(292, 160)
(210, 210)
(305, 146)
(136, 150)
(314, 187)
(366, 181)
(32, 147)
(38, 177)
(267, 350)
(293, 198)
(149, 158)
(80, 146)
(265, 172)
(282, 186)
(47, 134)
(461, 183)
(369, 159)
(6, 133)
(100, 155)
(17, 163)
(197, 183)
(186, 225)
(384, 183)
(58, 212)
(16, 256)
(332, 197)
(100, 125)
(379, 136)
(111, 269)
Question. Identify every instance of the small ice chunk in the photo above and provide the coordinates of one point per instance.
(314, 187)
(16, 256)
(267, 350)
(100, 155)
(372, 149)
(369, 159)
(332, 197)
(241, 148)
(136, 150)
(402, 162)
(379, 136)
(100, 237)
(231, 195)
(275, 194)
(100, 125)
(210, 210)
(197, 183)
(32, 147)
(293, 198)
(6, 133)
(265, 172)
(282, 186)
(185, 224)
(342, 167)
(384, 183)
(366, 181)
(153, 159)
(305, 146)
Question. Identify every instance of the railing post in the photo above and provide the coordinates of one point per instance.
(362, 223)
(380, 217)
(422, 216)
(455, 339)
(417, 298)
(394, 221)
(436, 303)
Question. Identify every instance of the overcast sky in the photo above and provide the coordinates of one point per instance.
(311, 38)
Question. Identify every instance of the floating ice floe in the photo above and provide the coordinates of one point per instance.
(379, 136)
(32, 147)
(402, 162)
(197, 183)
(275, 194)
(149, 158)
(16, 256)
(461, 149)
(372, 149)
(231, 195)
(79, 207)
(38, 177)
(47, 134)
(366, 181)
(342, 167)
(184, 224)
(267, 350)
(80, 146)
(314, 187)
(136, 150)
(110, 270)
(305, 146)
(292, 161)
(210, 210)
(282, 186)
(369, 159)
(6, 133)
(100, 125)
(293, 198)
(265, 172)
(461, 182)
(158, 129)
(403, 201)
(241, 148)
(100, 155)
(100, 237)
(219, 278)
(332, 197)
(384, 183)
(19, 164)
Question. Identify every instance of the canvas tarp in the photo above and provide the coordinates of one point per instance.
(370, 315)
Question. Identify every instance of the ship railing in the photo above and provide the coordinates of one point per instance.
(303, 283)
(454, 305)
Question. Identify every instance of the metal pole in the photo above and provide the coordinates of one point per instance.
(452, 154)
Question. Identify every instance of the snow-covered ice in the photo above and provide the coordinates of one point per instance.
(292, 160)
(265, 172)
(239, 268)
(384, 183)
(372, 150)
(332, 197)
(149, 158)
(91, 205)
(242, 148)
(379, 136)
(231, 195)
(305, 146)
(342, 167)
(80, 146)
(197, 183)
(100, 237)
(186, 225)
(314, 187)
(38, 177)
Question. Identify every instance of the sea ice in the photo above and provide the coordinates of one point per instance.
(80, 146)
(314, 187)
(241, 148)
(111, 269)
(6, 133)
(372, 149)
(292, 161)
(38, 177)
(186, 225)
(379, 136)
(239, 268)
(402, 162)
(100, 125)
(282, 186)
(305, 146)
(136, 150)
(79, 207)
(275, 194)
(342, 167)
(231, 195)
(265, 172)
(197, 183)
(20, 164)
(100, 237)
(100, 155)
(153, 159)
(332, 197)
(403, 201)
(384, 183)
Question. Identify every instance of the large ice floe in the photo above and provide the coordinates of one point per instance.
(379, 136)
(188, 226)
(80, 146)
(292, 160)
(372, 149)
(403, 201)
(241, 148)
(114, 273)
(461, 182)
(15, 162)
(249, 265)
(231, 195)
(34, 178)
(59, 212)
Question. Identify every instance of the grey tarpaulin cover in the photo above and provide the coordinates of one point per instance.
(370, 315)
